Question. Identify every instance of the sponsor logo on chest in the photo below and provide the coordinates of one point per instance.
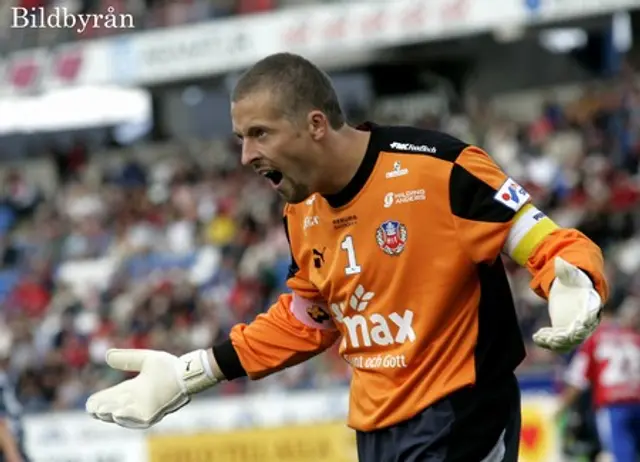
(397, 171)
(364, 329)
(412, 195)
(310, 222)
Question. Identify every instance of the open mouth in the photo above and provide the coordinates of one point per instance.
(274, 176)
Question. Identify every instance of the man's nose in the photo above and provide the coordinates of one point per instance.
(249, 154)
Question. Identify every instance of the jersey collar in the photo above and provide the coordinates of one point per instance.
(363, 173)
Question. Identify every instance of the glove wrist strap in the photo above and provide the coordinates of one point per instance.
(196, 373)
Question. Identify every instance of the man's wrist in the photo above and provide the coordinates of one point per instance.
(196, 372)
(206, 368)
(227, 360)
(212, 366)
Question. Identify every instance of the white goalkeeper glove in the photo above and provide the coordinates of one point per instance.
(574, 309)
(164, 384)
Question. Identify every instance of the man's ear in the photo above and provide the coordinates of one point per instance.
(318, 125)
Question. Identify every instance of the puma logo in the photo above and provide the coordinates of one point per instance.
(318, 258)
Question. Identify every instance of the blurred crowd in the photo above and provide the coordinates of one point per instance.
(168, 247)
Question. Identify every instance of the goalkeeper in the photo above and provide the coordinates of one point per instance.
(396, 235)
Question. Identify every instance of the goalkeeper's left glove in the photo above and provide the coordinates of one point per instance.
(574, 309)
(164, 384)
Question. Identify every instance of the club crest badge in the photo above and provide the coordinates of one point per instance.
(391, 237)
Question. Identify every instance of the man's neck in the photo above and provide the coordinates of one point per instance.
(343, 158)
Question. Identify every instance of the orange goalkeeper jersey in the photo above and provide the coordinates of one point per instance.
(403, 268)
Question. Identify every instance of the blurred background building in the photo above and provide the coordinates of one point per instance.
(126, 220)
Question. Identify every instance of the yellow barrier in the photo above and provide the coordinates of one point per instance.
(539, 440)
(333, 442)
(313, 443)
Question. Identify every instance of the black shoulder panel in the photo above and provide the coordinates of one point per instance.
(473, 199)
(412, 140)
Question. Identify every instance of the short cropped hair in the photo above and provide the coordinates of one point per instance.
(300, 85)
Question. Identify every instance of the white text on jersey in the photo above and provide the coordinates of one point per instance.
(376, 328)
(413, 147)
(404, 197)
(311, 221)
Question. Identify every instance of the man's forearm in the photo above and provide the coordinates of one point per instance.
(282, 337)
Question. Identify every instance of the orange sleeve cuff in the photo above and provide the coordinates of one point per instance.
(574, 247)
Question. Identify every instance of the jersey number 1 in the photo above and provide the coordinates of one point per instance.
(352, 264)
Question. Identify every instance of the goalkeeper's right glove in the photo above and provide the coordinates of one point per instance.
(164, 384)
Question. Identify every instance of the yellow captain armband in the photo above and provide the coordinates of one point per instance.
(530, 227)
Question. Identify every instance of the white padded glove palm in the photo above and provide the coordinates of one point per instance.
(164, 384)
(574, 309)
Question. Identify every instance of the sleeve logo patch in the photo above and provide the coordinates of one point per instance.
(318, 314)
(512, 195)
